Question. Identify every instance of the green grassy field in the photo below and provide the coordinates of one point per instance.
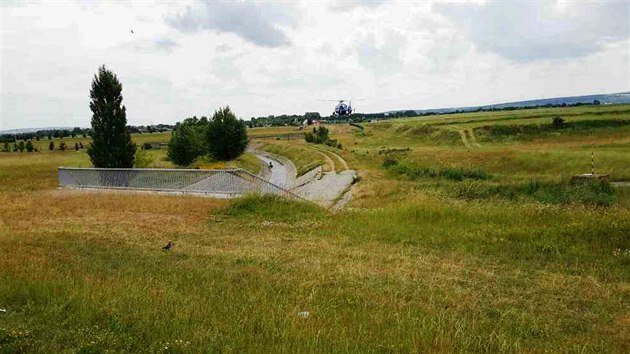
(418, 262)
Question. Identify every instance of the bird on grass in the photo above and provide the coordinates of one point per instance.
(168, 246)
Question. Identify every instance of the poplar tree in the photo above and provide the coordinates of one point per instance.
(111, 142)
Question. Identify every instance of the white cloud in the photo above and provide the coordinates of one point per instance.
(395, 55)
(536, 30)
(259, 23)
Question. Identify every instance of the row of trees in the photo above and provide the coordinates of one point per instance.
(19, 147)
(29, 147)
(77, 132)
(223, 137)
(46, 133)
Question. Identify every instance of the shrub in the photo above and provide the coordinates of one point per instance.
(21, 146)
(557, 123)
(62, 146)
(147, 146)
(76, 147)
(226, 135)
(51, 146)
(389, 161)
(6, 147)
(186, 143)
(414, 172)
(593, 193)
(184, 147)
(320, 136)
(29, 146)
(142, 159)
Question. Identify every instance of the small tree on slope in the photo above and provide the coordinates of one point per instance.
(111, 146)
(185, 144)
(227, 136)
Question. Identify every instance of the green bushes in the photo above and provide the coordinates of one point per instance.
(413, 172)
(320, 136)
(187, 141)
(557, 124)
(593, 193)
(224, 137)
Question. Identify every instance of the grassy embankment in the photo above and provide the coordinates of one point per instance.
(410, 267)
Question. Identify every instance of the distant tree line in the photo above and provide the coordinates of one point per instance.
(281, 120)
(78, 133)
(399, 114)
(309, 117)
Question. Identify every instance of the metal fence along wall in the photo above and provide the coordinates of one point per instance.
(224, 183)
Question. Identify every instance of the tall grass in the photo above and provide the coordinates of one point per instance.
(410, 266)
(414, 172)
(594, 193)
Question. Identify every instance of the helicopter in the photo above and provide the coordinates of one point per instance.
(342, 109)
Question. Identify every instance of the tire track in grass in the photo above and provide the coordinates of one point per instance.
(329, 161)
(462, 134)
(473, 138)
(341, 160)
(331, 157)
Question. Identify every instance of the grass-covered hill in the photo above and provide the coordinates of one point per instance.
(464, 235)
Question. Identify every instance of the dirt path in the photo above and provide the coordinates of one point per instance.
(329, 161)
(468, 137)
(462, 134)
(331, 157)
(473, 138)
(341, 160)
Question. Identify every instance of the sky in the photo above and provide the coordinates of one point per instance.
(188, 58)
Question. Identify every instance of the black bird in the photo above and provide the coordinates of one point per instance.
(131, 31)
(168, 246)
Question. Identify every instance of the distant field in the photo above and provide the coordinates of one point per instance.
(452, 243)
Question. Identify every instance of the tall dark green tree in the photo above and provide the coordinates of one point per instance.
(111, 142)
(226, 136)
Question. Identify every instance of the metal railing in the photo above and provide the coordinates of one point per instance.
(219, 183)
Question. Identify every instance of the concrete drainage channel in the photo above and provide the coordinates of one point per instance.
(328, 189)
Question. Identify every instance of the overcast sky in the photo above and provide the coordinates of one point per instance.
(188, 58)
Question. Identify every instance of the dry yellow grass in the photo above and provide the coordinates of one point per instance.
(406, 268)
